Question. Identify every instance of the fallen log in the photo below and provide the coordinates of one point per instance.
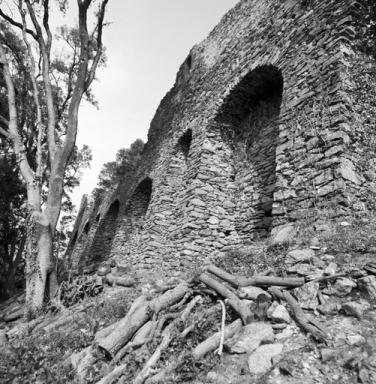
(213, 341)
(239, 306)
(120, 280)
(258, 281)
(310, 325)
(137, 316)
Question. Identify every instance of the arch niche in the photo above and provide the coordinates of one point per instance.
(249, 121)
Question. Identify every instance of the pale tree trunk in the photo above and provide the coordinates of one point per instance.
(41, 279)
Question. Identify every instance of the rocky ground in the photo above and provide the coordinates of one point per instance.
(337, 300)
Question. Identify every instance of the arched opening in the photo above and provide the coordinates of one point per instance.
(104, 235)
(184, 144)
(139, 202)
(248, 122)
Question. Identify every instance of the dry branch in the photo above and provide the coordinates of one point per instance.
(259, 281)
(308, 324)
(167, 336)
(137, 316)
(239, 306)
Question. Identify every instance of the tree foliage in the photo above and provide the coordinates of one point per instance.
(124, 166)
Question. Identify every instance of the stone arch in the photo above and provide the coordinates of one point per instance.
(101, 246)
(138, 205)
(248, 122)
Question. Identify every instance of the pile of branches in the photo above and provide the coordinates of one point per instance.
(157, 319)
(77, 289)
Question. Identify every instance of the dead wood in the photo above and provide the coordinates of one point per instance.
(137, 316)
(239, 306)
(167, 336)
(120, 280)
(306, 322)
(114, 375)
(326, 278)
(258, 281)
(142, 336)
(213, 341)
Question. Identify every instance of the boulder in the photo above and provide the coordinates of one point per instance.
(253, 293)
(260, 361)
(250, 337)
(354, 308)
(331, 269)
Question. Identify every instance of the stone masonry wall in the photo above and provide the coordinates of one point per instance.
(268, 120)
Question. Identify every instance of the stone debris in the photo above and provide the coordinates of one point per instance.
(354, 308)
(368, 284)
(280, 315)
(307, 295)
(260, 361)
(250, 337)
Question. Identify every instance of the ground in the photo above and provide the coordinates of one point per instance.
(343, 251)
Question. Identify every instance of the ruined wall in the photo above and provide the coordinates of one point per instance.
(265, 123)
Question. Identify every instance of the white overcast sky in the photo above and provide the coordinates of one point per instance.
(146, 43)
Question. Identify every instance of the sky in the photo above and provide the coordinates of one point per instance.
(146, 43)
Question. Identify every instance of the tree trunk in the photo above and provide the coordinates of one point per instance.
(38, 262)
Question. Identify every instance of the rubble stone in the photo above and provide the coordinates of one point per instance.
(260, 361)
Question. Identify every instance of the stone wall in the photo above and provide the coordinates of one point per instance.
(267, 123)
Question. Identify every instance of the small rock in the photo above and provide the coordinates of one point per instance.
(331, 269)
(284, 234)
(307, 295)
(329, 308)
(368, 284)
(353, 308)
(315, 244)
(280, 315)
(344, 224)
(271, 309)
(343, 286)
(285, 334)
(300, 256)
(327, 257)
(250, 337)
(260, 361)
(356, 340)
(212, 377)
(328, 354)
(103, 270)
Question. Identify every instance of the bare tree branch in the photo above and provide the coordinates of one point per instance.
(98, 54)
(47, 26)
(33, 74)
(17, 24)
(47, 83)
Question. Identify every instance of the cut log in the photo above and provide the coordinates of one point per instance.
(239, 306)
(213, 341)
(140, 338)
(120, 280)
(258, 281)
(137, 316)
(307, 323)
